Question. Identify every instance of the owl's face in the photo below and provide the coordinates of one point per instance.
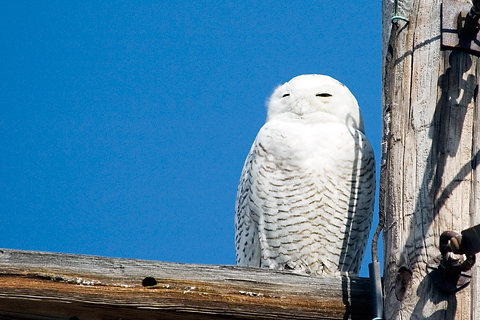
(315, 97)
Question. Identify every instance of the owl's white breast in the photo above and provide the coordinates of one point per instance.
(308, 143)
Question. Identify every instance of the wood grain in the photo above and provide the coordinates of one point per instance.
(40, 285)
(429, 171)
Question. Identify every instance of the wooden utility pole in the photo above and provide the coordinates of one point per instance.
(429, 177)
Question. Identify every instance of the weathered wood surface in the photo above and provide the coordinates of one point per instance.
(40, 285)
(431, 143)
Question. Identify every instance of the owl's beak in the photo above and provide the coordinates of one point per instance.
(302, 106)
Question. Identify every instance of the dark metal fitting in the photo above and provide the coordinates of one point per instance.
(452, 244)
(456, 265)
(450, 270)
(460, 28)
(450, 241)
(469, 21)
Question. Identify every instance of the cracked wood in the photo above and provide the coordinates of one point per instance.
(40, 285)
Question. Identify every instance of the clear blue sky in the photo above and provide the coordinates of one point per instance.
(124, 125)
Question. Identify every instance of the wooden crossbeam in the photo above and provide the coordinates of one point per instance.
(41, 285)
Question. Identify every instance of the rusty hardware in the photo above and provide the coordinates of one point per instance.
(460, 26)
(451, 269)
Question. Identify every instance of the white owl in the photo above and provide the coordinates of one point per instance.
(306, 193)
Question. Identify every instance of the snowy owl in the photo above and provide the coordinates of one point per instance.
(306, 193)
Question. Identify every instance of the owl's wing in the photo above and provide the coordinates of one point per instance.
(247, 243)
(360, 205)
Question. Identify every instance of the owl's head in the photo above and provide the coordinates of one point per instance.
(315, 97)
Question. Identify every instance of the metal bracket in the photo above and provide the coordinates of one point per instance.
(451, 270)
(454, 15)
(447, 281)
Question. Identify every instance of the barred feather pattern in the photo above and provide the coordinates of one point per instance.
(305, 198)
(305, 210)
